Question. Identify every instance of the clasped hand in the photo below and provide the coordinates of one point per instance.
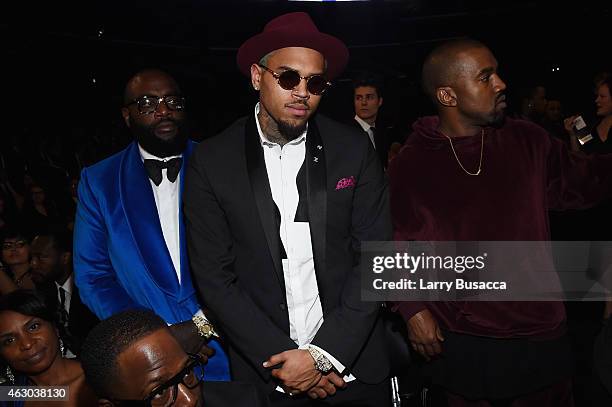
(186, 334)
(295, 369)
(425, 334)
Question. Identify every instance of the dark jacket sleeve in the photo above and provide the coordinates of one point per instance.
(211, 257)
(346, 328)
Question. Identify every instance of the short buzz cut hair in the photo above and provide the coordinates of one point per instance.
(108, 340)
(264, 60)
(60, 240)
(441, 67)
(127, 91)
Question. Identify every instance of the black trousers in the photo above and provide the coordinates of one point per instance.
(355, 394)
(491, 368)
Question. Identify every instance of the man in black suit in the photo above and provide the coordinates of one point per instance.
(276, 207)
(51, 259)
(367, 99)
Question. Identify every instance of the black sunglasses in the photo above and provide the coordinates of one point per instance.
(289, 79)
(165, 394)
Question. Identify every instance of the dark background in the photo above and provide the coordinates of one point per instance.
(53, 53)
(64, 65)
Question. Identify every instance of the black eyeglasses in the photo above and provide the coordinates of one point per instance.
(149, 104)
(289, 79)
(165, 394)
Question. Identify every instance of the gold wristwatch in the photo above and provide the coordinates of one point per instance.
(205, 328)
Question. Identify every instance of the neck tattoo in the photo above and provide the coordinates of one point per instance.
(270, 129)
(457, 158)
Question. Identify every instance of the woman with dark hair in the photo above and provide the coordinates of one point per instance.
(32, 351)
(15, 271)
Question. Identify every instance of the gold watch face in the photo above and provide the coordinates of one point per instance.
(207, 330)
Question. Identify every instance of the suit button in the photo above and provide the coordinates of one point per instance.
(283, 306)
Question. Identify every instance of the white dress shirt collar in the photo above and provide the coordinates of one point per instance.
(145, 155)
(364, 125)
(367, 128)
(67, 286)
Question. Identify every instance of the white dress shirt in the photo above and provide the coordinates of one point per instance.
(367, 128)
(301, 289)
(166, 196)
(68, 288)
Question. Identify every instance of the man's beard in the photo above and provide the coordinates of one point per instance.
(497, 119)
(290, 131)
(146, 137)
(47, 278)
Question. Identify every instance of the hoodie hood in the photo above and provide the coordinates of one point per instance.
(427, 127)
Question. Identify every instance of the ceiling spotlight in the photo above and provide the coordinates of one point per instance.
(93, 80)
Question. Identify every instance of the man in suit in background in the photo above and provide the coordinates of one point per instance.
(51, 258)
(367, 99)
(276, 207)
(129, 249)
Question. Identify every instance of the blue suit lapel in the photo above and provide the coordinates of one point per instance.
(186, 286)
(143, 219)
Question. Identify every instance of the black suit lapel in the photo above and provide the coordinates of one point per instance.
(356, 125)
(80, 318)
(260, 184)
(74, 315)
(301, 213)
(380, 140)
(317, 199)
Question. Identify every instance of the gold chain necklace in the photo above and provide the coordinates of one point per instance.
(457, 158)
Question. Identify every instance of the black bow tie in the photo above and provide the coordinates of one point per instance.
(154, 169)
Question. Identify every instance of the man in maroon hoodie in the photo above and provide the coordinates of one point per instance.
(470, 174)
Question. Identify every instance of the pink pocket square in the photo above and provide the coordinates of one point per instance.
(346, 183)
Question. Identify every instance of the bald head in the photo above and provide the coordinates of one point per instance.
(154, 111)
(143, 77)
(444, 65)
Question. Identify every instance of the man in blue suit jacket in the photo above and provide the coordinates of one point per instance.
(129, 250)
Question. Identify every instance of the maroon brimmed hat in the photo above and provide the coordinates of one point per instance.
(293, 30)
